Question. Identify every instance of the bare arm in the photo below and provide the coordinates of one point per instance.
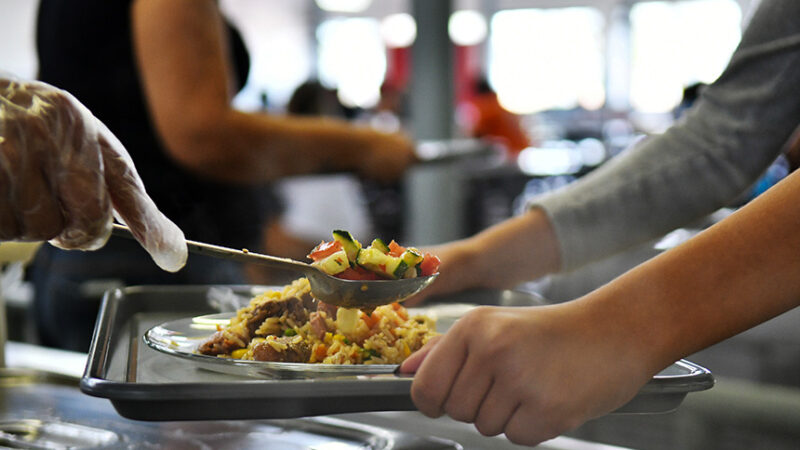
(518, 249)
(534, 373)
(182, 55)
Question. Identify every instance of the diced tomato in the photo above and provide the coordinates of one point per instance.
(357, 273)
(321, 351)
(396, 249)
(429, 265)
(325, 249)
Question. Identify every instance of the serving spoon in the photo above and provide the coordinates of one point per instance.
(326, 288)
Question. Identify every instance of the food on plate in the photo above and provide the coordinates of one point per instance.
(345, 257)
(290, 325)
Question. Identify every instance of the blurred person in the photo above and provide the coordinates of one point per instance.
(484, 117)
(64, 174)
(391, 112)
(313, 99)
(311, 206)
(534, 373)
(161, 75)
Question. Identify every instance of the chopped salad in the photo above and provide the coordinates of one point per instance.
(344, 257)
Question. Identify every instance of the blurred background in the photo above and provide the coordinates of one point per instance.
(570, 84)
(507, 99)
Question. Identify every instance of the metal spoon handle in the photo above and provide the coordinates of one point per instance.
(218, 251)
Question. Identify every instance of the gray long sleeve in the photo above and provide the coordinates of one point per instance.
(700, 164)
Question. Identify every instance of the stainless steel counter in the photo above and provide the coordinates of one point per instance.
(42, 407)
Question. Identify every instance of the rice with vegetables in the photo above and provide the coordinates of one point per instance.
(290, 325)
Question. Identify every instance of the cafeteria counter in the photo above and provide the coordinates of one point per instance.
(43, 408)
(735, 414)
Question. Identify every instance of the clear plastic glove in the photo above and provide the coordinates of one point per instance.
(63, 174)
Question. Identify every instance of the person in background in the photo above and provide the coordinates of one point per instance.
(534, 373)
(484, 117)
(64, 174)
(310, 99)
(161, 75)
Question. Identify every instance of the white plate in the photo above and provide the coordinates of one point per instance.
(182, 337)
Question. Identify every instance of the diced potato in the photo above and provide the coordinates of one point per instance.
(346, 319)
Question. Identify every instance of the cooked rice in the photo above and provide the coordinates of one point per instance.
(387, 336)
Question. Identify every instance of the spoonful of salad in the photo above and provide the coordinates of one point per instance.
(343, 273)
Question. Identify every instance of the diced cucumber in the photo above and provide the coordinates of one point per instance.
(378, 243)
(411, 257)
(334, 263)
(349, 244)
(400, 270)
(373, 259)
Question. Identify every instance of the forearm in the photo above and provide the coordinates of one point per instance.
(735, 275)
(182, 54)
(247, 148)
(518, 249)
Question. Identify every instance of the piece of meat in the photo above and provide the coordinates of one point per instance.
(318, 325)
(296, 308)
(328, 309)
(309, 302)
(220, 343)
(239, 335)
(296, 350)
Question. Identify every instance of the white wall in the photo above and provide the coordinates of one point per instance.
(17, 38)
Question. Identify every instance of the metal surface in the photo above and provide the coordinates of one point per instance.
(50, 397)
(39, 410)
(332, 290)
(145, 384)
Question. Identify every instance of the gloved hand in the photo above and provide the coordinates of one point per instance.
(62, 171)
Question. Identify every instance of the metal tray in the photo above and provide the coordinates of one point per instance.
(42, 410)
(146, 384)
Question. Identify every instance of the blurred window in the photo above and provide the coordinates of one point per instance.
(542, 59)
(352, 59)
(675, 44)
(281, 57)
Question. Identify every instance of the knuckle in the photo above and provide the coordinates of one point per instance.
(425, 400)
(459, 410)
(527, 437)
(487, 428)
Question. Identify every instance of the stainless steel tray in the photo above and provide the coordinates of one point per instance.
(45, 411)
(146, 384)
